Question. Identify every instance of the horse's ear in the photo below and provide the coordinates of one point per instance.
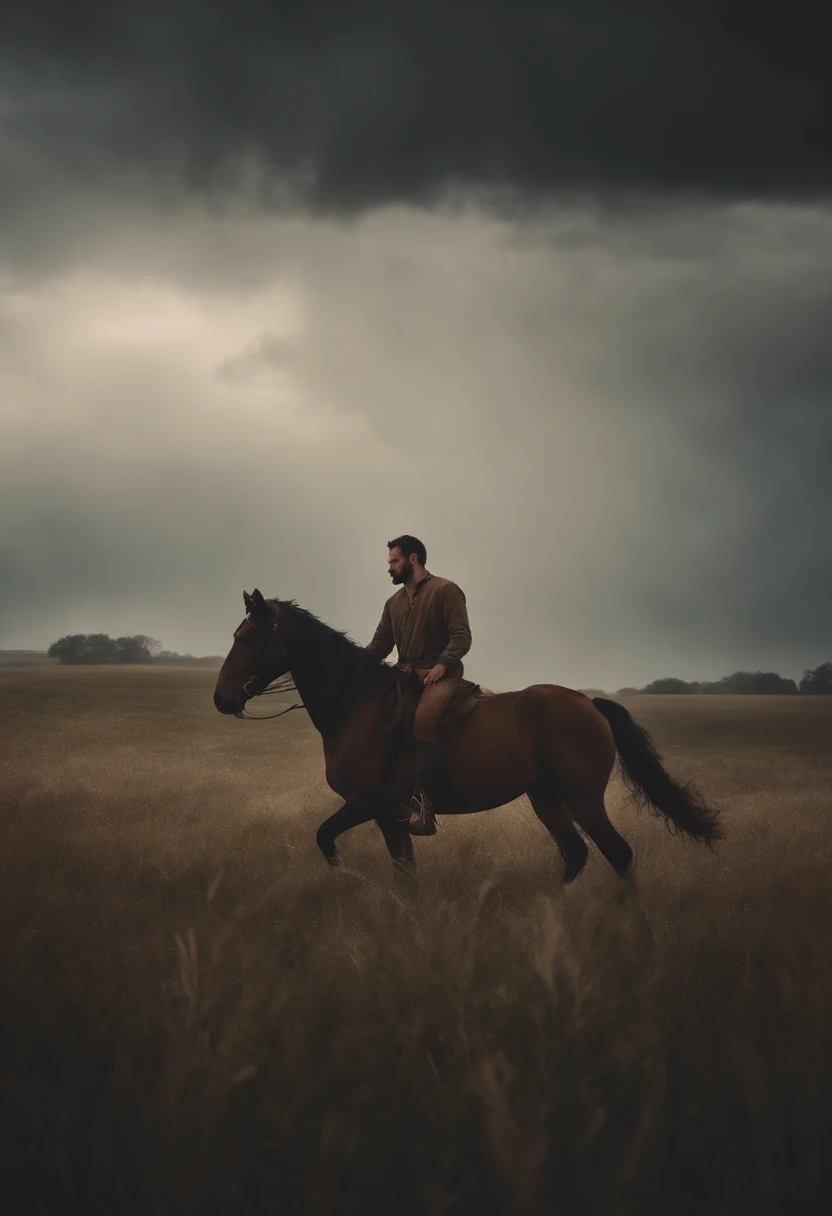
(257, 599)
(247, 601)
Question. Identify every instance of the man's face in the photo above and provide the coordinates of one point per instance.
(398, 565)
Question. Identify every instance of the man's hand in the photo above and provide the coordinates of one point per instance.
(435, 673)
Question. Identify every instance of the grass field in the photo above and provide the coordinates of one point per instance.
(200, 1017)
(26, 658)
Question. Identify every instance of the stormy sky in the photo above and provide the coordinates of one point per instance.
(550, 288)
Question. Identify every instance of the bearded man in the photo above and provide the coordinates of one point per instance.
(427, 621)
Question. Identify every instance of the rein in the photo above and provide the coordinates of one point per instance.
(270, 692)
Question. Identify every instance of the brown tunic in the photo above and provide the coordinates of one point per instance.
(429, 629)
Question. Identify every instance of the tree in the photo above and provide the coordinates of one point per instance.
(817, 680)
(751, 682)
(151, 645)
(670, 685)
(100, 648)
(69, 649)
(132, 650)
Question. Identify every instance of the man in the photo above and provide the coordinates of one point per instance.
(427, 622)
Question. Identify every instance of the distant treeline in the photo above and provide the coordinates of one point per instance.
(818, 680)
(100, 648)
(77, 648)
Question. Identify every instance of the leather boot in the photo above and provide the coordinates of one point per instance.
(425, 766)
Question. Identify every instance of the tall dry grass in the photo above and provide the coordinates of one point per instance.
(199, 1017)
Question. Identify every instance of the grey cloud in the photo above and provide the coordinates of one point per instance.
(614, 433)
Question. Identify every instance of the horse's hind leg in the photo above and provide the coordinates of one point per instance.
(559, 824)
(590, 813)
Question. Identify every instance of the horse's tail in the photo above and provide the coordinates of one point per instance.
(682, 806)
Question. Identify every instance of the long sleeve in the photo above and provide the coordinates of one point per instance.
(383, 641)
(456, 620)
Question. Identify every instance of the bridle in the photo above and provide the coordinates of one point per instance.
(252, 686)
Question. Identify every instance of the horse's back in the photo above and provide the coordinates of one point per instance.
(522, 722)
(529, 702)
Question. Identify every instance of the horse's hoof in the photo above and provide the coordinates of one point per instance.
(573, 863)
(327, 848)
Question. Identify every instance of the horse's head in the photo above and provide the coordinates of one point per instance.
(259, 654)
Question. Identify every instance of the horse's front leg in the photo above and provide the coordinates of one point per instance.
(349, 816)
(399, 842)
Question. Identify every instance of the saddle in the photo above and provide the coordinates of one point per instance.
(404, 698)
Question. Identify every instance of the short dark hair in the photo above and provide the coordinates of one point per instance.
(408, 545)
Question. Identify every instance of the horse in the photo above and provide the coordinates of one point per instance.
(546, 741)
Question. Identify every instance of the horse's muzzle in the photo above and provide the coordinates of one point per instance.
(227, 706)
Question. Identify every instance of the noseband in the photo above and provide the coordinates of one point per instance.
(252, 687)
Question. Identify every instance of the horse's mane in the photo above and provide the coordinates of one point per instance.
(335, 653)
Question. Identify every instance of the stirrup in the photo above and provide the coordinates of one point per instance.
(422, 819)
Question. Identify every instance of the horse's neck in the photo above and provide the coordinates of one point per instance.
(322, 691)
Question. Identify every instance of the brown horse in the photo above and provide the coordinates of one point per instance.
(548, 742)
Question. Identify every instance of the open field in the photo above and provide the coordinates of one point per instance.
(200, 1017)
(26, 658)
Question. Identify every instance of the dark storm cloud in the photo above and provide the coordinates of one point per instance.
(351, 105)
